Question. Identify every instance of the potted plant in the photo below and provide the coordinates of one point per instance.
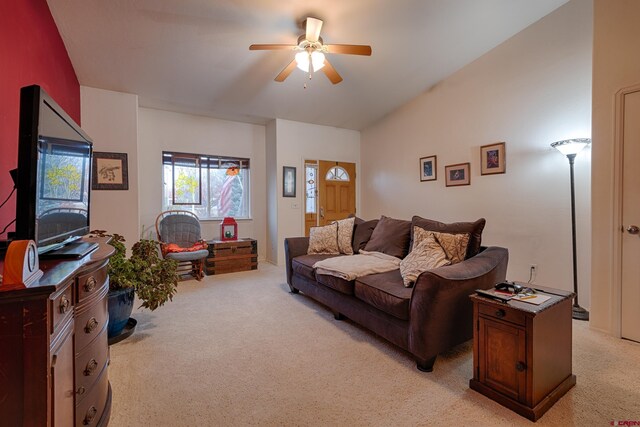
(145, 274)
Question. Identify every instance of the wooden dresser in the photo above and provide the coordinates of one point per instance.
(522, 352)
(54, 355)
(231, 256)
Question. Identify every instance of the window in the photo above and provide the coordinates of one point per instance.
(212, 187)
(310, 172)
(337, 173)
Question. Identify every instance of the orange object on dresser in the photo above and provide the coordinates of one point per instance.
(228, 229)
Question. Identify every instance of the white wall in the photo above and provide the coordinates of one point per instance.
(616, 65)
(111, 120)
(163, 130)
(295, 143)
(532, 90)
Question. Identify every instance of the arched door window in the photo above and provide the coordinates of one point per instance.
(337, 173)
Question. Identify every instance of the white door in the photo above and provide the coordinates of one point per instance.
(630, 321)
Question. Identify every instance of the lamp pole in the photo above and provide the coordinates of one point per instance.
(570, 148)
(578, 312)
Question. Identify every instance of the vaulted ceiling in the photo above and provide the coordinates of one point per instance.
(193, 55)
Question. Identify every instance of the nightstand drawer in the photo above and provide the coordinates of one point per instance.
(502, 313)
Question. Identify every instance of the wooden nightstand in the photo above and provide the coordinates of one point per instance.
(522, 352)
(231, 256)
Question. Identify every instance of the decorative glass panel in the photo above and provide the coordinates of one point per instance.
(337, 173)
(310, 185)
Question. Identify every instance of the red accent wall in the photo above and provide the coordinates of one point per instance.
(31, 52)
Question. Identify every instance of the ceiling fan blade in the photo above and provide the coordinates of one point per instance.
(314, 26)
(331, 72)
(286, 71)
(271, 47)
(349, 49)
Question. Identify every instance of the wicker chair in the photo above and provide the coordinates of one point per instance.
(183, 229)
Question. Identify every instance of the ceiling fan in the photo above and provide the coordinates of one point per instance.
(310, 52)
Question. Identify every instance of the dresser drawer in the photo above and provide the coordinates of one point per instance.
(89, 410)
(90, 363)
(90, 283)
(90, 323)
(502, 313)
(61, 306)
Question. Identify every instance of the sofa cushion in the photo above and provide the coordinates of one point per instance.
(345, 235)
(324, 240)
(386, 292)
(473, 228)
(362, 233)
(454, 245)
(336, 283)
(426, 254)
(303, 264)
(391, 236)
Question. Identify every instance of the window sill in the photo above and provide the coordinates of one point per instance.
(220, 219)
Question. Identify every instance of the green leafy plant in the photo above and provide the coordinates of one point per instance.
(154, 279)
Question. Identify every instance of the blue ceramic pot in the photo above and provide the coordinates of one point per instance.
(120, 308)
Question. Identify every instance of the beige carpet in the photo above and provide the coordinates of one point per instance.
(239, 349)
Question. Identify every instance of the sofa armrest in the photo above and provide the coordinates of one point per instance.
(441, 313)
(293, 247)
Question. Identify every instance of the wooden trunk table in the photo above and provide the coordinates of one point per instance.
(231, 256)
(522, 351)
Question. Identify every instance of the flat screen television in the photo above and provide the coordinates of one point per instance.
(54, 175)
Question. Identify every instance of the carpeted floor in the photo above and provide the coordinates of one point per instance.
(239, 349)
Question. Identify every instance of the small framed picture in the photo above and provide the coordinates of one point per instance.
(288, 181)
(492, 159)
(110, 171)
(458, 174)
(429, 168)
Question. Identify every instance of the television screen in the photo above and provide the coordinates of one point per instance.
(54, 173)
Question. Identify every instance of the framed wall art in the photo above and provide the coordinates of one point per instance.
(458, 174)
(288, 181)
(110, 171)
(492, 159)
(428, 168)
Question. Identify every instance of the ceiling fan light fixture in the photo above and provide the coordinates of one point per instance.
(302, 60)
(317, 60)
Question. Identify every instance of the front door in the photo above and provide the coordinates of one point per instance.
(630, 316)
(336, 191)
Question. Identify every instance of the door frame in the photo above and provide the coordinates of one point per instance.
(618, 172)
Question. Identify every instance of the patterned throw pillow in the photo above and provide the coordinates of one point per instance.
(427, 254)
(345, 232)
(324, 240)
(454, 245)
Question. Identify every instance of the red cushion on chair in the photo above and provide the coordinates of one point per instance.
(172, 247)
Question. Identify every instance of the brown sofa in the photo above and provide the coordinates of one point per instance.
(427, 319)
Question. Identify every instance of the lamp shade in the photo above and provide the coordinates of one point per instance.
(571, 146)
(304, 59)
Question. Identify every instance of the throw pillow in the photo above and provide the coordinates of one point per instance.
(473, 228)
(454, 245)
(323, 240)
(362, 233)
(427, 254)
(345, 232)
(391, 236)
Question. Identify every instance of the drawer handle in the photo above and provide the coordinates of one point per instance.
(92, 324)
(91, 368)
(500, 313)
(233, 249)
(91, 284)
(520, 366)
(81, 390)
(64, 304)
(91, 414)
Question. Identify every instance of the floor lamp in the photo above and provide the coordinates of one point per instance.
(570, 148)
